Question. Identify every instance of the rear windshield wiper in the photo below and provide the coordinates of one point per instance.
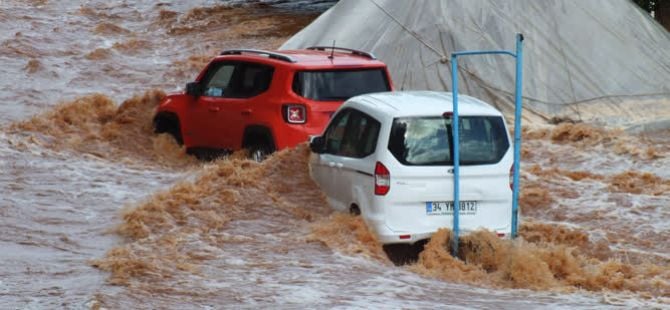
(334, 98)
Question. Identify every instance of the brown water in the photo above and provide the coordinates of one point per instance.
(99, 212)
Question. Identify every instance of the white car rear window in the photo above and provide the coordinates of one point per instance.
(428, 140)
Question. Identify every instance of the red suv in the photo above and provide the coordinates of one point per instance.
(265, 101)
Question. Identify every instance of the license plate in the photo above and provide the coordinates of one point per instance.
(468, 207)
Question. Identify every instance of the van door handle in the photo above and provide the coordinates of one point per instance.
(214, 108)
(246, 112)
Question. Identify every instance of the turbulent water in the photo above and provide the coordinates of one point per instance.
(98, 212)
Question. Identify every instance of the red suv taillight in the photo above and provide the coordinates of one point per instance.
(294, 113)
(382, 180)
(511, 177)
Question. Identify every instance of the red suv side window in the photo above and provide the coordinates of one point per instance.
(217, 79)
(237, 80)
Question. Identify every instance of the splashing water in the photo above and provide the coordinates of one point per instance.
(94, 125)
(87, 183)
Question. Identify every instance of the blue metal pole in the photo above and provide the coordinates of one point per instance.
(517, 133)
(456, 140)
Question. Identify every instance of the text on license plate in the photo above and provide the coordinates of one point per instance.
(468, 207)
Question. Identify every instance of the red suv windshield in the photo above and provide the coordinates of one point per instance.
(338, 85)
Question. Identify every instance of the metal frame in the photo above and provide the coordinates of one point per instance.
(517, 133)
(271, 55)
(353, 51)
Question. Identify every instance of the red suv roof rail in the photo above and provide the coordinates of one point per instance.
(271, 55)
(352, 51)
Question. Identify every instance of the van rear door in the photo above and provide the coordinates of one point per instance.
(421, 196)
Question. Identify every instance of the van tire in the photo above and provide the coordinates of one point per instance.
(354, 210)
(400, 254)
(403, 253)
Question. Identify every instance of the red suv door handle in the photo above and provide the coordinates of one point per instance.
(246, 112)
(214, 108)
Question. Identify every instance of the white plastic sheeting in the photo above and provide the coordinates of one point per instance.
(603, 61)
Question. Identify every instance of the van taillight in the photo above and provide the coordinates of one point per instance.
(294, 114)
(382, 179)
(511, 177)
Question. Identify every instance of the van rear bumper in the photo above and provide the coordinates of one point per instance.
(387, 236)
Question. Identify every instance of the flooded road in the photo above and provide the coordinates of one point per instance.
(98, 212)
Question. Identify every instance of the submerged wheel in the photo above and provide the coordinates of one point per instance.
(404, 254)
(259, 152)
(168, 123)
(258, 142)
(400, 254)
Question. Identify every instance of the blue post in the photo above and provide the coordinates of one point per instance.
(517, 133)
(457, 162)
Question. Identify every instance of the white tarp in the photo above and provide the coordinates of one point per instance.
(602, 61)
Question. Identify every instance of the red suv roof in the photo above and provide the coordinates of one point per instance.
(312, 57)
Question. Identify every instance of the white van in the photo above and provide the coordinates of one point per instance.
(388, 156)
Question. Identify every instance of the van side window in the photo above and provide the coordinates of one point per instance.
(369, 137)
(335, 133)
(352, 134)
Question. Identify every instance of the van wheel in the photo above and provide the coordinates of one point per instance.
(354, 210)
(404, 254)
(400, 254)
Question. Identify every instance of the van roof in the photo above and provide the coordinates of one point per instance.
(419, 103)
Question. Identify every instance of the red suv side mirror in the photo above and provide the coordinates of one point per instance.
(193, 89)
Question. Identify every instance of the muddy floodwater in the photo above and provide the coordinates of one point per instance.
(96, 211)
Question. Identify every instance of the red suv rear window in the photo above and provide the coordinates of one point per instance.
(338, 85)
